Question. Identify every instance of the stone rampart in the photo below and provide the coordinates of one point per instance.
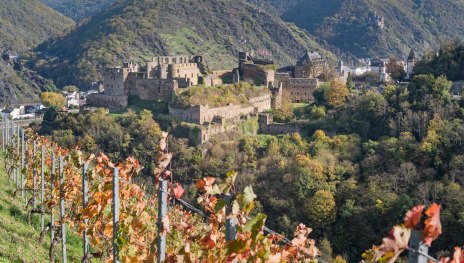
(119, 102)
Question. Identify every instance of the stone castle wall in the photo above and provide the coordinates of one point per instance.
(103, 100)
(266, 126)
(152, 89)
(280, 128)
(203, 114)
(189, 71)
(297, 89)
(191, 115)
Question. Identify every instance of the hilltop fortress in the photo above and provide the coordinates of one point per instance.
(156, 81)
(164, 76)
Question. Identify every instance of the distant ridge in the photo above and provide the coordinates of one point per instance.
(350, 24)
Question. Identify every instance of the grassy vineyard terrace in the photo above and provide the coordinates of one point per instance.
(18, 240)
(217, 96)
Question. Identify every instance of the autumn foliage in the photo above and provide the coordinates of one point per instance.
(190, 238)
(398, 239)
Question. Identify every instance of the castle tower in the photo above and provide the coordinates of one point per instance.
(411, 63)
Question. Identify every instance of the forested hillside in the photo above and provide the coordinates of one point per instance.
(448, 61)
(139, 29)
(26, 23)
(78, 9)
(346, 24)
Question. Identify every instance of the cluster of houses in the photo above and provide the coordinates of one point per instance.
(74, 101)
(378, 68)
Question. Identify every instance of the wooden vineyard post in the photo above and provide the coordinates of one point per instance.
(18, 151)
(11, 164)
(3, 136)
(42, 189)
(6, 134)
(115, 214)
(34, 174)
(26, 174)
(85, 193)
(20, 183)
(52, 186)
(162, 209)
(62, 208)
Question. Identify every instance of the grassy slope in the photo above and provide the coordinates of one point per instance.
(18, 240)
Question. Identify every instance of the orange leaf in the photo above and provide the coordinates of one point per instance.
(209, 241)
(413, 216)
(432, 227)
(108, 231)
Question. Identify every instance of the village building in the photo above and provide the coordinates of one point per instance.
(21, 111)
(311, 65)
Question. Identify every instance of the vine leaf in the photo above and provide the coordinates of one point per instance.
(393, 245)
(432, 227)
(178, 191)
(413, 216)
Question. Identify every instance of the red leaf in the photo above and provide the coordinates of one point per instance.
(178, 191)
(413, 216)
(432, 227)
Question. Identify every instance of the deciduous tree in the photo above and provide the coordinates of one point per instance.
(53, 100)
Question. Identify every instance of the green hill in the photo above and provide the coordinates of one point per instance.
(23, 25)
(78, 9)
(139, 29)
(26, 23)
(349, 24)
(18, 240)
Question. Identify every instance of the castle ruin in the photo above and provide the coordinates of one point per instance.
(164, 76)
(157, 80)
